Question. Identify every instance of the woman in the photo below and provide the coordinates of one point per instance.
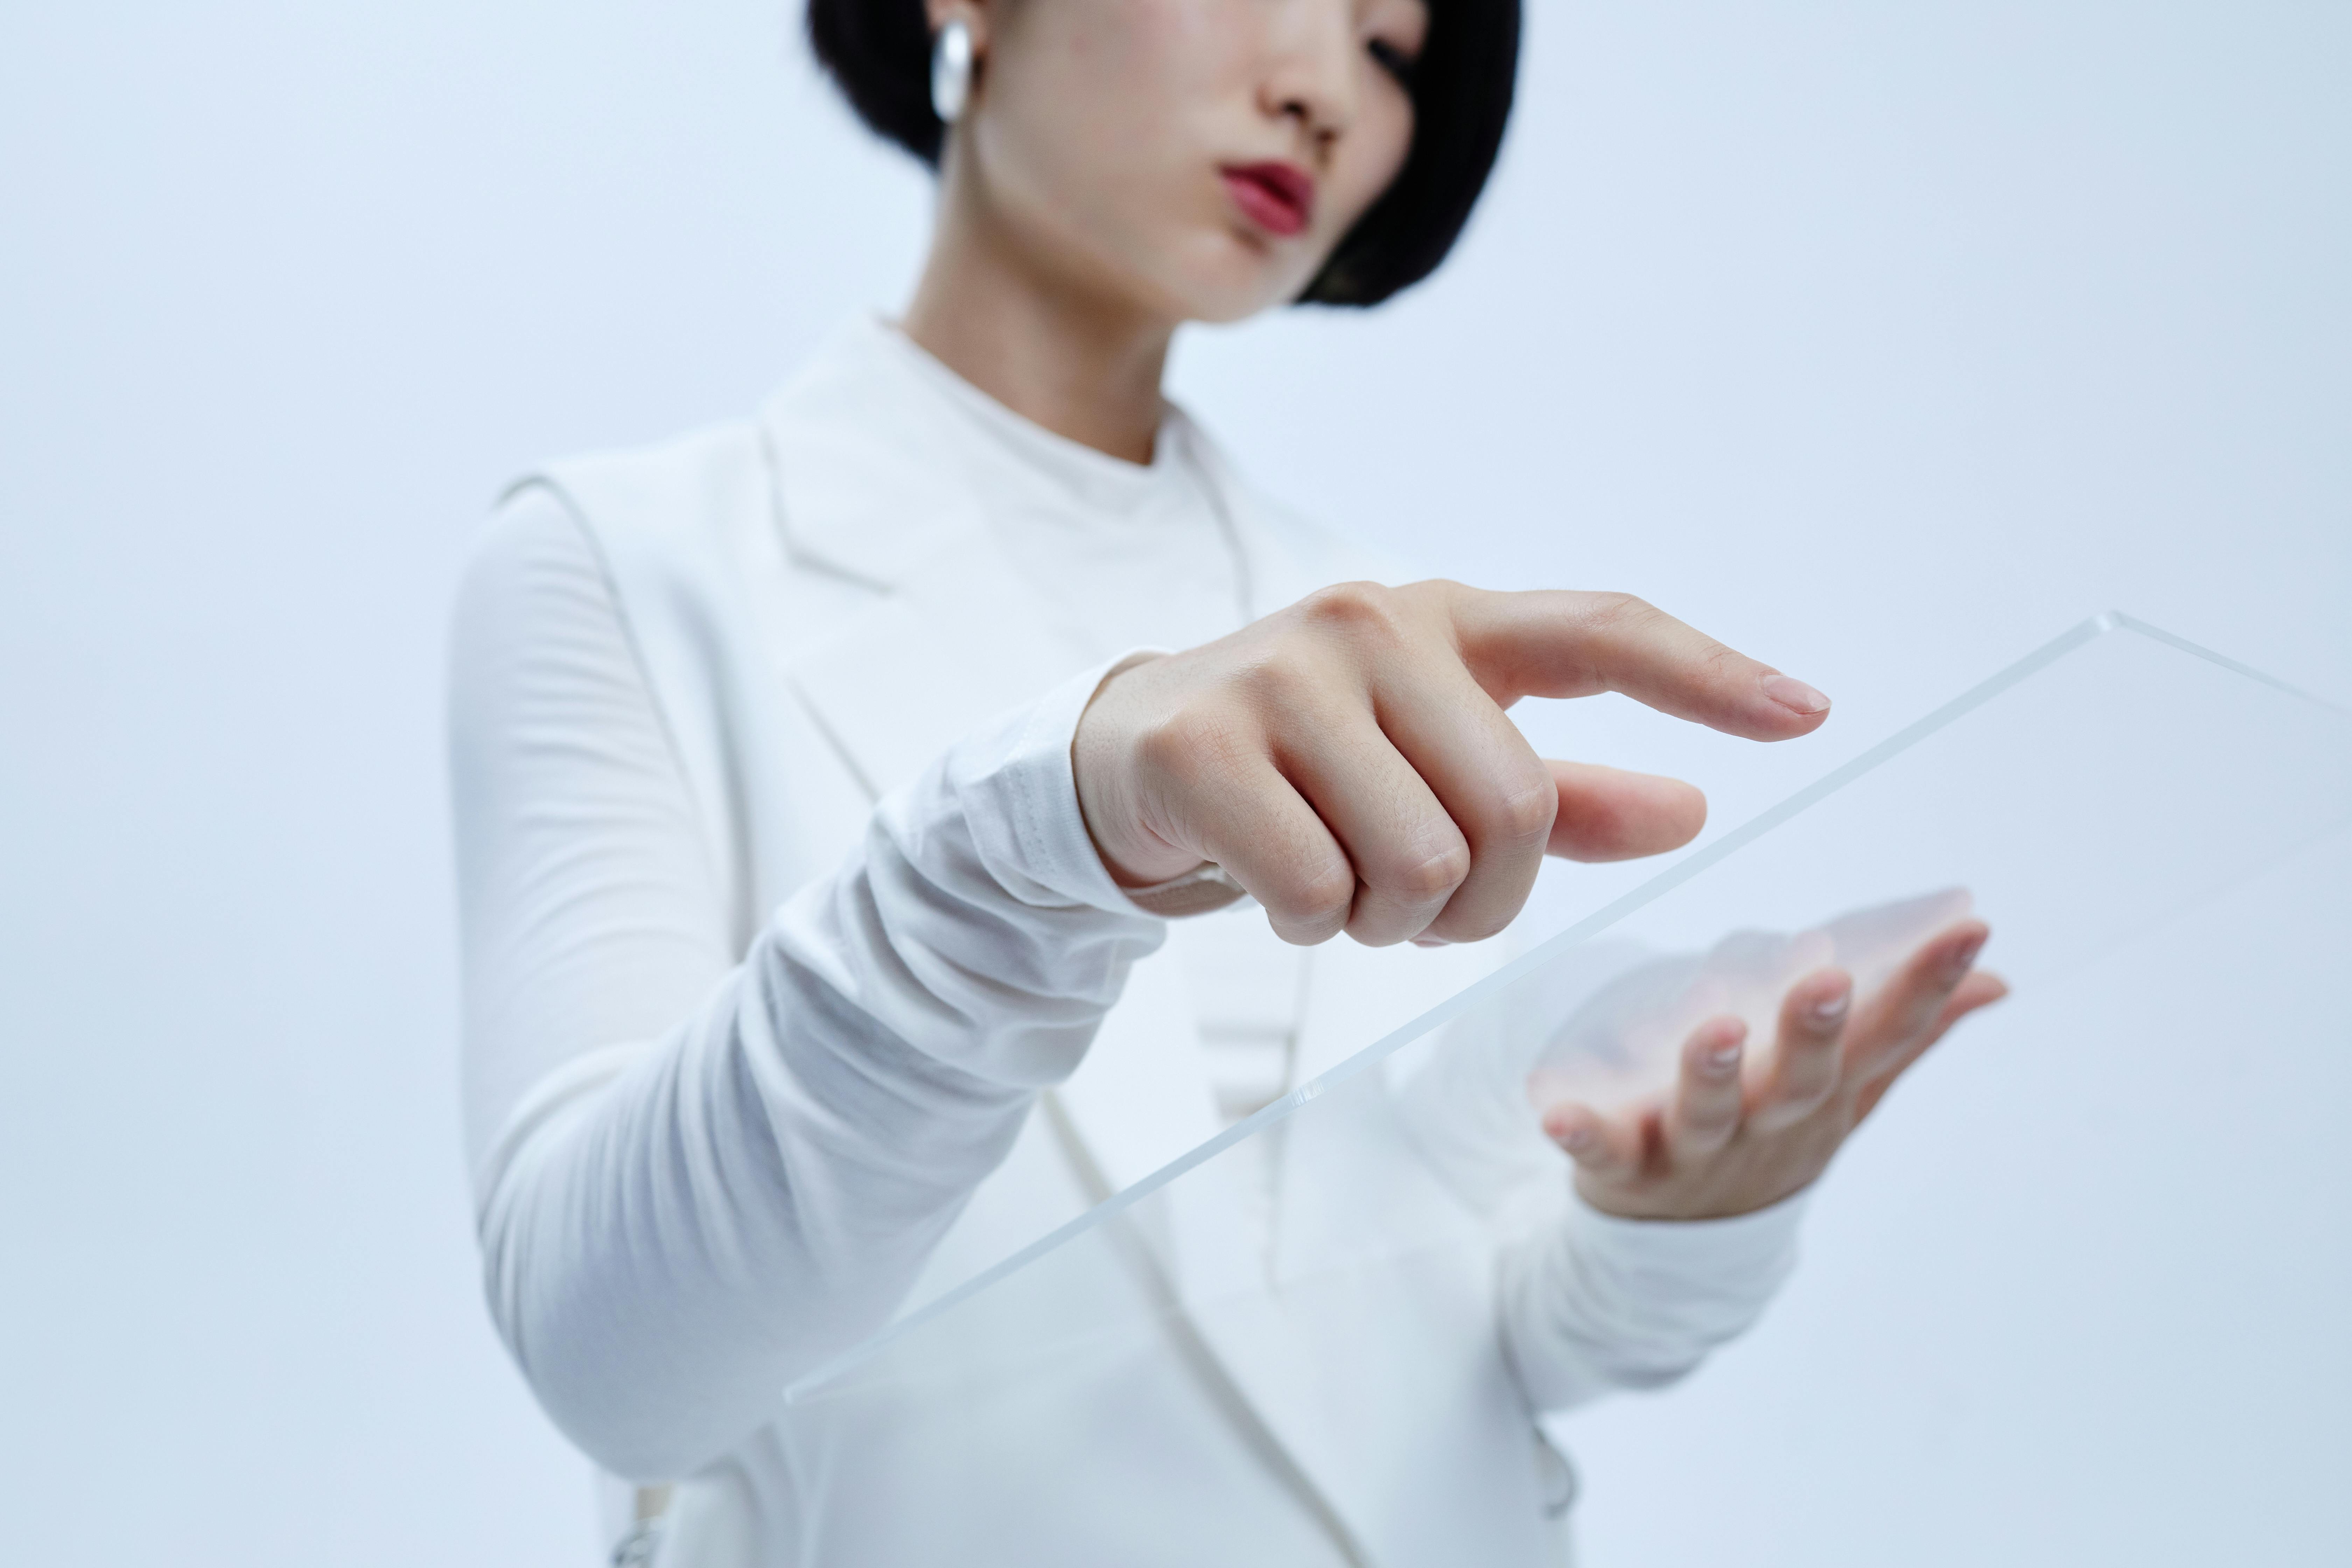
(775, 937)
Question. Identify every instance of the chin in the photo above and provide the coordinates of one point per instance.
(1225, 312)
(1232, 281)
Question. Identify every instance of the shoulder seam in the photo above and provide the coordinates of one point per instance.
(629, 636)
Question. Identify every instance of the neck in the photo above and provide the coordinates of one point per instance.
(1039, 339)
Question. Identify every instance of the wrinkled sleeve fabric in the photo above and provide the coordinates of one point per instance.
(1586, 1303)
(1592, 1303)
(698, 1174)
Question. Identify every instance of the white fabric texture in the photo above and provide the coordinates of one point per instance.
(713, 1146)
(864, 1066)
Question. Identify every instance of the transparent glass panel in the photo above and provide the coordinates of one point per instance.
(1287, 1346)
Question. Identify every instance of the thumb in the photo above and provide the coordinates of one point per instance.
(1607, 813)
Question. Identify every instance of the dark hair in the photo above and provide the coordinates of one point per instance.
(879, 51)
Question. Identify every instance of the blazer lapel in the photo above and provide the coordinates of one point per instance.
(948, 641)
(957, 642)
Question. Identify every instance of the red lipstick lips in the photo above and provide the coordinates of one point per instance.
(1276, 196)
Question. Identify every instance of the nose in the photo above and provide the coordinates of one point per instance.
(1310, 70)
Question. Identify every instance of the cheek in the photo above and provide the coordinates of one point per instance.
(1099, 100)
(1103, 141)
(1108, 79)
(1369, 161)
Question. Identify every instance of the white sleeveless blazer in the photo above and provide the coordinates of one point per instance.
(806, 656)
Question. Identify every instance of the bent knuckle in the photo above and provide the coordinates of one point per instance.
(1354, 611)
(1316, 894)
(1426, 873)
(1198, 742)
(1622, 612)
(1432, 595)
(1523, 809)
(1471, 926)
(1281, 683)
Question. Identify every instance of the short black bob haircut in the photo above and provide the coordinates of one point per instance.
(879, 51)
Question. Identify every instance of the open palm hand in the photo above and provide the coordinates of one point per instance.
(1741, 1131)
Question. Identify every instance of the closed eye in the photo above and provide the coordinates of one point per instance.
(1394, 61)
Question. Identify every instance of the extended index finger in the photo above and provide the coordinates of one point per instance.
(1559, 643)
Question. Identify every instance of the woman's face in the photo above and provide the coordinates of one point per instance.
(1196, 160)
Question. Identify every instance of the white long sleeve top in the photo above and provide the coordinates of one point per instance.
(713, 1147)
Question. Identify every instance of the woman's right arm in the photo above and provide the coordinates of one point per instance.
(697, 1177)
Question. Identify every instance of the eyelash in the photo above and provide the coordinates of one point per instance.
(1393, 60)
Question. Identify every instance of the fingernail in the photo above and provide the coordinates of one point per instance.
(1956, 968)
(1829, 1009)
(1795, 695)
(1576, 1139)
(1723, 1058)
(1430, 941)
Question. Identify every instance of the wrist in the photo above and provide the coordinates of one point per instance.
(1669, 1206)
(1102, 751)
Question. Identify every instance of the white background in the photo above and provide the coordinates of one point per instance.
(1882, 340)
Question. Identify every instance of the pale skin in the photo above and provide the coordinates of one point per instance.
(1348, 760)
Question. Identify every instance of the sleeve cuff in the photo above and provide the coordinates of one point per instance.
(1049, 837)
(1601, 1303)
(1749, 1253)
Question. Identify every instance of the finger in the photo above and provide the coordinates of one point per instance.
(1267, 839)
(1407, 853)
(1608, 1148)
(1900, 1014)
(1554, 643)
(1705, 1111)
(1498, 795)
(1804, 1070)
(1607, 813)
(1979, 990)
